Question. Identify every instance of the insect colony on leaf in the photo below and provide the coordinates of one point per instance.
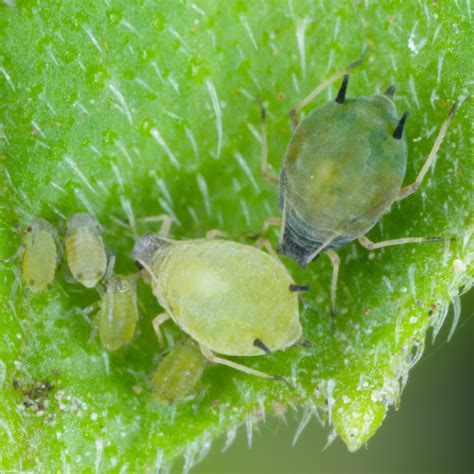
(343, 169)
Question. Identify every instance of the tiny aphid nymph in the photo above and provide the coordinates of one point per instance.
(85, 251)
(118, 315)
(39, 255)
(178, 373)
(231, 298)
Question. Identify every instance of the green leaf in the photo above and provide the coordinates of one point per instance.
(130, 111)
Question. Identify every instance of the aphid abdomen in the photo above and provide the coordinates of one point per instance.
(178, 373)
(226, 295)
(39, 256)
(343, 170)
(118, 315)
(86, 256)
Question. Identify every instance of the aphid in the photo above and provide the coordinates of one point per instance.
(231, 298)
(343, 169)
(85, 252)
(178, 373)
(39, 255)
(118, 315)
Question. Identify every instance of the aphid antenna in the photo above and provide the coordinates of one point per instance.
(318, 251)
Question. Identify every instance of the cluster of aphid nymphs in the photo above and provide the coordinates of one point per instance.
(88, 263)
(226, 297)
(343, 169)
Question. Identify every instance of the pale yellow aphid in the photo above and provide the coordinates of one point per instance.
(85, 251)
(231, 298)
(178, 373)
(118, 315)
(39, 255)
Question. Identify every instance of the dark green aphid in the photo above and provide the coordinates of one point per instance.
(178, 373)
(343, 169)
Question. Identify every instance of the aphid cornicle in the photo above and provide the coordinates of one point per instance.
(343, 169)
(85, 252)
(231, 298)
(39, 255)
(178, 373)
(118, 315)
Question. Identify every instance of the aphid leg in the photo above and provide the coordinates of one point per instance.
(269, 222)
(16, 255)
(211, 357)
(157, 322)
(264, 168)
(368, 244)
(303, 342)
(16, 283)
(335, 260)
(262, 242)
(412, 188)
(324, 85)
(216, 234)
(166, 221)
(110, 266)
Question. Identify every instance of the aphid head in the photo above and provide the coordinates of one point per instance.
(294, 250)
(83, 220)
(146, 248)
(40, 224)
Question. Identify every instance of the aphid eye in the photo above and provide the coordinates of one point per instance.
(29, 229)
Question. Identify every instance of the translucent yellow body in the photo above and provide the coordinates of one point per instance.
(178, 373)
(39, 255)
(85, 252)
(342, 171)
(225, 295)
(118, 315)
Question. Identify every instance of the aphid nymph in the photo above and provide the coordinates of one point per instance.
(118, 315)
(178, 373)
(39, 255)
(231, 298)
(85, 251)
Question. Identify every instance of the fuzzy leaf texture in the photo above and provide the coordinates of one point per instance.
(134, 110)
